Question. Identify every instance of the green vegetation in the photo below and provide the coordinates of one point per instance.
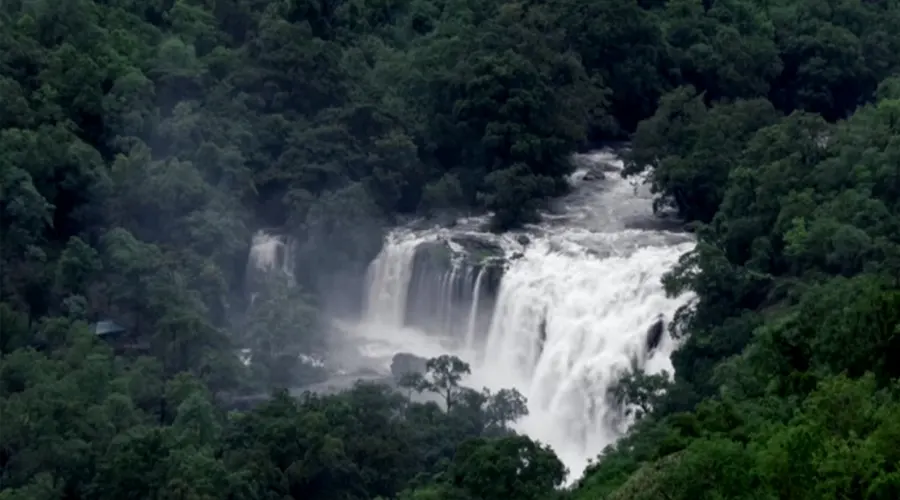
(143, 142)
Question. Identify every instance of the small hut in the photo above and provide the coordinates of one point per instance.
(118, 337)
(108, 329)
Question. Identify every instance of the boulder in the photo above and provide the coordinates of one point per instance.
(654, 333)
(404, 363)
(477, 248)
(434, 253)
(605, 167)
(595, 175)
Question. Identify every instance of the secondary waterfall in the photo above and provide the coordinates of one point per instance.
(271, 252)
(559, 311)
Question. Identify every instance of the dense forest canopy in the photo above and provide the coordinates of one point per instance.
(142, 143)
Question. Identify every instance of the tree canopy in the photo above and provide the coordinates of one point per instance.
(143, 143)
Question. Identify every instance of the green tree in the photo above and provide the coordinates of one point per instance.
(513, 466)
(442, 377)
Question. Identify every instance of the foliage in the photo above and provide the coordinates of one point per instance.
(143, 143)
(89, 425)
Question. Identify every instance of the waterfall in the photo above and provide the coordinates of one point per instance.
(428, 282)
(272, 252)
(472, 324)
(389, 278)
(566, 326)
(559, 314)
(269, 253)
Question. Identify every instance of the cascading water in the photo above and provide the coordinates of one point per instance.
(566, 325)
(389, 278)
(559, 314)
(270, 252)
(271, 257)
(474, 311)
(431, 282)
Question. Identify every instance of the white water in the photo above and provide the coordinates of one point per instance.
(596, 314)
(585, 282)
(472, 324)
(389, 280)
(271, 252)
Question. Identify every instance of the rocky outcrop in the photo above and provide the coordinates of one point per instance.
(404, 363)
(594, 175)
(494, 270)
(661, 221)
(470, 249)
(477, 249)
(450, 275)
(465, 248)
(655, 333)
(595, 169)
(436, 253)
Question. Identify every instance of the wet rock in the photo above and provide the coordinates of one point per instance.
(404, 363)
(444, 277)
(495, 270)
(543, 333)
(477, 248)
(659, 220)
(654, 333)
(523, 239)
(656, 224)
(603, 168)
(594, 175)
(434, 253)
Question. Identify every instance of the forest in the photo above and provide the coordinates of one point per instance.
(144, 142)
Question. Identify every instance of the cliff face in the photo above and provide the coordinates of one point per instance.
(454, 282)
